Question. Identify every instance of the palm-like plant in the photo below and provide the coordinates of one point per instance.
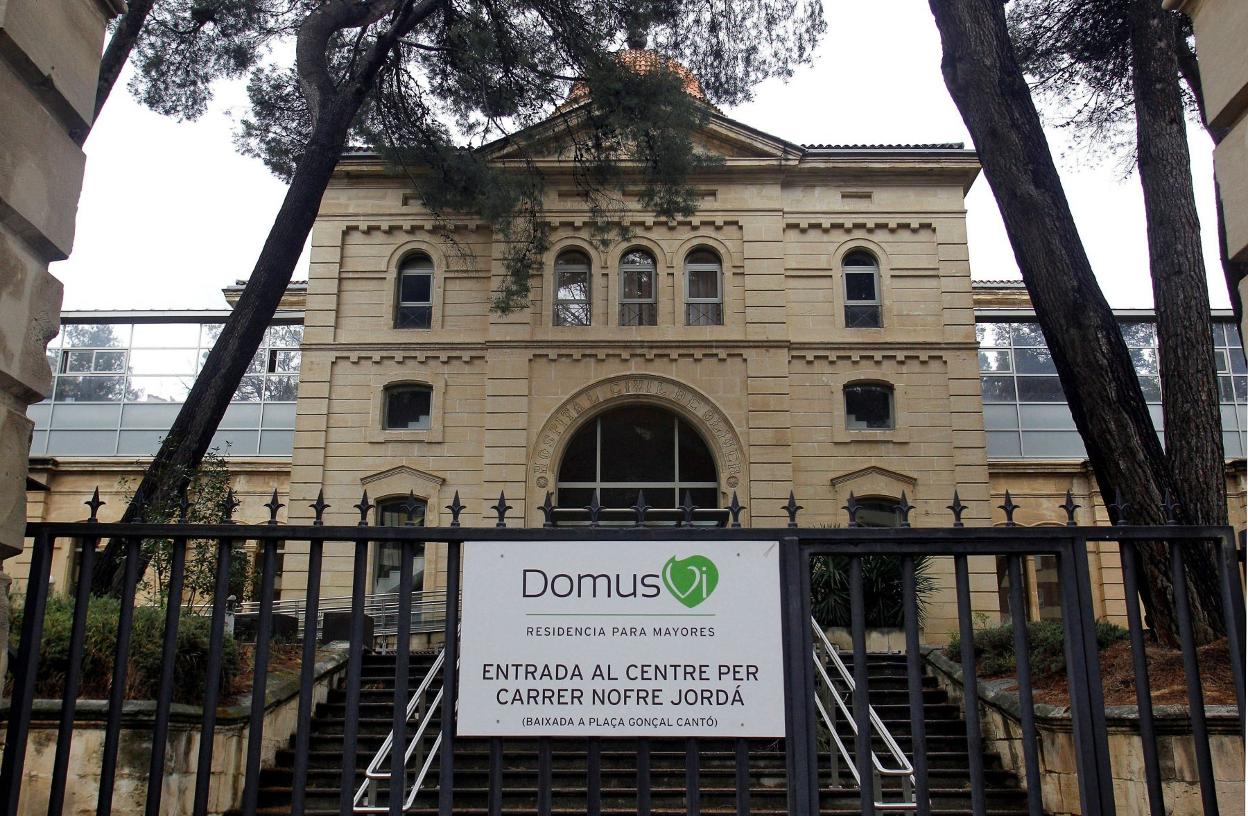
(881, 589)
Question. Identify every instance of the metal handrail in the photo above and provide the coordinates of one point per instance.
(902, 768)
(428, 610)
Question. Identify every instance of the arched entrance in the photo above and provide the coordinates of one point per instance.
(632, 448)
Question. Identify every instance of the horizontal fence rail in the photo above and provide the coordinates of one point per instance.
(374, 730)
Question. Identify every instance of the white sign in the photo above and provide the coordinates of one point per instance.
(621, 639)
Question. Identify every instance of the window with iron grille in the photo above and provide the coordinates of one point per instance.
(862, 291)
(638, 303)
(869, 407)
(704, 292)
(388, 555)
(407, 408)
(572, 304)
(415, 302)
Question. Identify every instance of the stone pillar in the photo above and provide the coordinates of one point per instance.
(49, 62)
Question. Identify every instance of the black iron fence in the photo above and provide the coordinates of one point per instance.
(804, 780)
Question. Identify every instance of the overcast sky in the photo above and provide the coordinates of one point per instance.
(170, 213)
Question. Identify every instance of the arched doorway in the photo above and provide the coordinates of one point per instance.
(634, 448)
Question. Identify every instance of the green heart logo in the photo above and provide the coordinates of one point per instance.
(692, 580)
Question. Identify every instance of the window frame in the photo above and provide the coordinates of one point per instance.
(644, 316)
(561, 268)
(399, 388)
(847, 269)
(380, 548)
(691, 301)
(862, 385)
(413, 265)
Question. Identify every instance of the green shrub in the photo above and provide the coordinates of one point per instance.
(994, 647)
(145, 659)
(881, 590)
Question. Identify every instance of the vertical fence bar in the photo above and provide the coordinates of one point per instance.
(259, 681)
(117, 693)
(307, 676)
(1191, 670)
(799, 743)
(970, 687)
(164, 696)
(1077, 682)
(594, 799)
(862, 700)
(355, 668)
(450, 674)
(402, 670)
(1129, 556)
(544, 803)
(914, 682)
(212, 682)
(743, 777)
(496, 777)
(693, 778)
(1233, 612)
(1026, 703)
(69, 700)
(1096, 692)
(25, 671)
(643, 777)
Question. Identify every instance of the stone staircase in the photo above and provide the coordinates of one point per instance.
(946, 744)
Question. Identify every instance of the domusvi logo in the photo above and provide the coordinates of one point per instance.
(691, 580)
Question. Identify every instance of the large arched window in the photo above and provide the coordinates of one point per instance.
(704, 289)
(388, 555)
(638, 303)
(572, 304)
(634, 448)
(862, 290)
(414, 309)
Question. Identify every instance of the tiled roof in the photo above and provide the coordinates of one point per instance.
(917, 146)
(1003, 283)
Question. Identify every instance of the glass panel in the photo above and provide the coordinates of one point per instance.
(1049, 417)
(1232, 445)
(1027, 334)
(40, 414)
(580, 459)
(162, 361)
(1220, 360)
(637, 257)
(994, 360)
(111, 362)
(165, 335)
(627, 496)
(277, 443)
(89, 389)
(862, 317)
(278, 415)
(1225, 390)
(1151, 386)
(1034, 361)
(575, 496)
(242, 415)
(1140, 334)
(860, 286)
(859, 257)
(281, 388)
(992, 334)
(638, 314)
(407, 408)
(285, 335)
(572, 314)
(139, 443)
(638, 445)
(82, 443)
(159, 389)
(38, 443)
(1053, 443)
(702, 256)
(696, 462)
(209, 332)
(1040, 389)
(79, 361)
(235, 443)
(413, 317)
(878, 513)
(143, 415)
(415, 288)
(1241, 389)
(1144, 360)
(1233, 338)
(249, 390)
(637, 284)
(703, 284)
(95, 335)
(999, 417)
(702, 496)
(1228, 417)
(704, 314)
(868, 407)
(286, 362)
(54, 361)
(259, 362)
(1158, 416)
(1238, 364)
(1004, 443)
(998, 389)
(79, 417)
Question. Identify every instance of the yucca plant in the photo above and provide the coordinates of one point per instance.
(881, 589)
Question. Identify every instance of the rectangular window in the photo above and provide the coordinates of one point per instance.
(862, 299)
(637, 300)
(415, 301)
(868, 407)
(705, 301)
(407, 409)
(572, 307)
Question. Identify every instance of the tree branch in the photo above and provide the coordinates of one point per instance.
(129, 27)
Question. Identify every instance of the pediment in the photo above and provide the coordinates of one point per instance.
(400, 481)
(873, 480)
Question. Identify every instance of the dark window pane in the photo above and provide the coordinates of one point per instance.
(1241, 388)
(1225, 389)
(580, 459)
(878, 513)
(696, 462)
(637, 284)
(703, 284)
(1221, 362)
(413, 317)
(1034, 361)
(704, 314)
(702, 256)
(89, 389)
(571, 314)
(249, 389)
(1233, 338)
(702, 496)
(868, 407)
(1040, 389)
(638, 445)
(862, 317)
(1238, 364)
(860, 258)
(860, 286)
(1151, 386)
(393, 513)
(998, 389)
(407, 408)
(575, 497)
(638, 314)
(627, 496)
(1027, 334)
(415, 288)
(994, 360)
(281, 388)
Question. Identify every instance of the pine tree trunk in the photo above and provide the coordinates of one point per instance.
(192, 430)
(1096, 371)
(1181, 296)
(117, 52)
